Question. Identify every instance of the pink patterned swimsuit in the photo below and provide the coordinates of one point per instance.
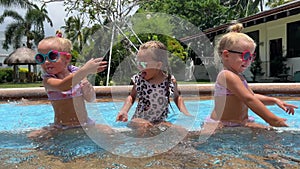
(223, 91)
(60, 95)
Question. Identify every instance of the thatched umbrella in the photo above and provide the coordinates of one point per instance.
(21, 56)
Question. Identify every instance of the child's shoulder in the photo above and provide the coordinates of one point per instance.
(224, 71)
(227, 75)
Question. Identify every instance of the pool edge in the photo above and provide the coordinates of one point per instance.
(122, 91)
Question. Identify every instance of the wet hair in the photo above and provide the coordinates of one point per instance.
(60, 44)
(233, 37)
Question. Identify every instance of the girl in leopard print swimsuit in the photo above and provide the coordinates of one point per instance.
(153, 87)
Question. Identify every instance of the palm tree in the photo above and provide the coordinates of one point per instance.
(74, 31)
(16, 3)
(39, 15)
(31, 26)
(242, 8)
(275, 3)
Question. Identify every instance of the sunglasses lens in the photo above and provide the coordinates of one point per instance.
(53, 56)
(247, 56)
(39, 59)
(142, 64)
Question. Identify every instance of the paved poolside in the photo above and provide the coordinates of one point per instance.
(122, 91)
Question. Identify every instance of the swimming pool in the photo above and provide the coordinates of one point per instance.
(232, 147)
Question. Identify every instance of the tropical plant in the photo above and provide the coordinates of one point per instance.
(30, 26)
(204, 14)
(101, 12)
(15, 3)
(242, 8)
(275, 3)
(76, 30)
(73, 30)
(6, 75)
(279, 65)
(256, 69)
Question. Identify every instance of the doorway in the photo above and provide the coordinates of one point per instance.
(275, 55)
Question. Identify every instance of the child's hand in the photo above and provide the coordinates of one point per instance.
(279, 123)
(122, 116)
(88, 90)
(103, 65)
(95, 65)
(289, 108)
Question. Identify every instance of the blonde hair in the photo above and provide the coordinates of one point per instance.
(236, 27)
(229, 40)
(233, 37)
(57, 43)
(158, 50)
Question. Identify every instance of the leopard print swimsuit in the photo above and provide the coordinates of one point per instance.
(153, 100)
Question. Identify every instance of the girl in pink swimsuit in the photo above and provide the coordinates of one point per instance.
(66, 85)
(232, 94)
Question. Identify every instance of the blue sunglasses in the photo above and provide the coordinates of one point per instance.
(52, 56)
(246, 55)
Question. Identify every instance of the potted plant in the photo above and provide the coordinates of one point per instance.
(256, 70)
(279, 65)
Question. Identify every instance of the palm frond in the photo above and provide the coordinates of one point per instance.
(10, 13)
(10, 32)
(15, 3)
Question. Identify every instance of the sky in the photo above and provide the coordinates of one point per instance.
(55, 12)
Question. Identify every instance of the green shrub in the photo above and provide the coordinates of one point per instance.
(6, 75)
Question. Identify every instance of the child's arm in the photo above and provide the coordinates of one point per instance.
(123, 113)
(179, 100)
(289, 108)
(88, 90)
(91, 67)
(236, 86)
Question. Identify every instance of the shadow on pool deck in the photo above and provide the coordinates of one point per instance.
(122, 91)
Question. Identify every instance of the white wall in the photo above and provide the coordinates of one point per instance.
(274, 30)
(294, 64)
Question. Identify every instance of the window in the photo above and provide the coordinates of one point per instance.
(293, 39)
(255, 36)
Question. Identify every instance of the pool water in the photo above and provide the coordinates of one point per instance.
(257, 147)
(18, 117)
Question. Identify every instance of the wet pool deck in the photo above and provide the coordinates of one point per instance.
(122, 91)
